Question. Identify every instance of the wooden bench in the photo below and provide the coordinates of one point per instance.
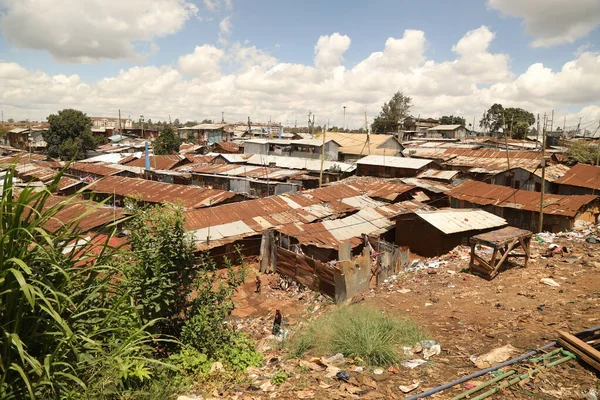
(502, 241)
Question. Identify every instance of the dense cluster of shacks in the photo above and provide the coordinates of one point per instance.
(324, 199)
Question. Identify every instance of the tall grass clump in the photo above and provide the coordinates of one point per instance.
(358, 331)
(65, 322)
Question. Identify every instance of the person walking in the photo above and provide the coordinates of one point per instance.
(277, 322)
(258, 284)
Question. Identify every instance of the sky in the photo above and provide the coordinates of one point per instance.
(278, 59)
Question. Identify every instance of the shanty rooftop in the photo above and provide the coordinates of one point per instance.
(438, 175)
(395, 162)
(96, 169)
(289, 142)
(84, 214)
(502, 196)
(158, 162)
(444, 128)
(451, 220)
(582, 175)
(158, 192)
(368, 221)
(355, 143)
(308, 164)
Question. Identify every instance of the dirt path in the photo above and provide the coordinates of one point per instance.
(466, 314)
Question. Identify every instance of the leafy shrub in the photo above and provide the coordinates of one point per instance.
(64, 321)
(191, 361)
(279, 378)
(358, 331)
(239, 353)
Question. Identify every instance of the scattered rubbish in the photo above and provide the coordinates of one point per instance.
(305, 394)
(493, 357)
(409, 388)
(591, 395)
(592, 239)
(432, 351)
(311, 365)
(414, 363)
(358, 369)
(332, 371)
(404, 291)
(342, 376)
(337, 359)
(378, 371)
(550, 282)
(393, 370)
(216, 367)
(418, 265)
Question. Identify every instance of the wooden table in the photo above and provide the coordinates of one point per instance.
(502, 241)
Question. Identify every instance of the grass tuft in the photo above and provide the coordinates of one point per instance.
(358, 331)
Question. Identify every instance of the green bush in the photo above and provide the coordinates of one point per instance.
(65, 322)
(279, 378)
(358, 331)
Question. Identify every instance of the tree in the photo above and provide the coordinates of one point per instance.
(492, 118)
(206, 121)
(515, 121)
(176, 123)
(70, 135)
(581, 152)
(518, 121)
(167, 142)
(11, 120)
(191, 137)
(392, 113)
(452, 120)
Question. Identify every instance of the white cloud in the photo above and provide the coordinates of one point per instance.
(214, 5)
(243, 81)
(224, 30)
(211, 5)
(330, 49)
(553, 22)
(81, 31)
(203, 62)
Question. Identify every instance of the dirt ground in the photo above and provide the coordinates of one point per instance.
(466, 314)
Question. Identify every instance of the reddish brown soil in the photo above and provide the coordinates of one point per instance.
(466, 314)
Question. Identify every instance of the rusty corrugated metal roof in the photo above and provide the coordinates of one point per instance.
(159, 192)
(31, 172)
(199, 159)
(373, 187)
(369, 221)
(158, 162)
(228, 146)
(502, 196)
(65, 183)
(94, 216)
(582, 175)
(96, 169)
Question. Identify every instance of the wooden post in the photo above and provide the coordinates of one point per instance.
(543, 163)
(322, 157)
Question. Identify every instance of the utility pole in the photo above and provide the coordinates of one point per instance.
(368, 135)
(506, 146)
(537, 134)
(344, 125)
(322, 158)
(542, 189)
(119, 121)
(222, 117)
(142, 122)
(564, 124)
